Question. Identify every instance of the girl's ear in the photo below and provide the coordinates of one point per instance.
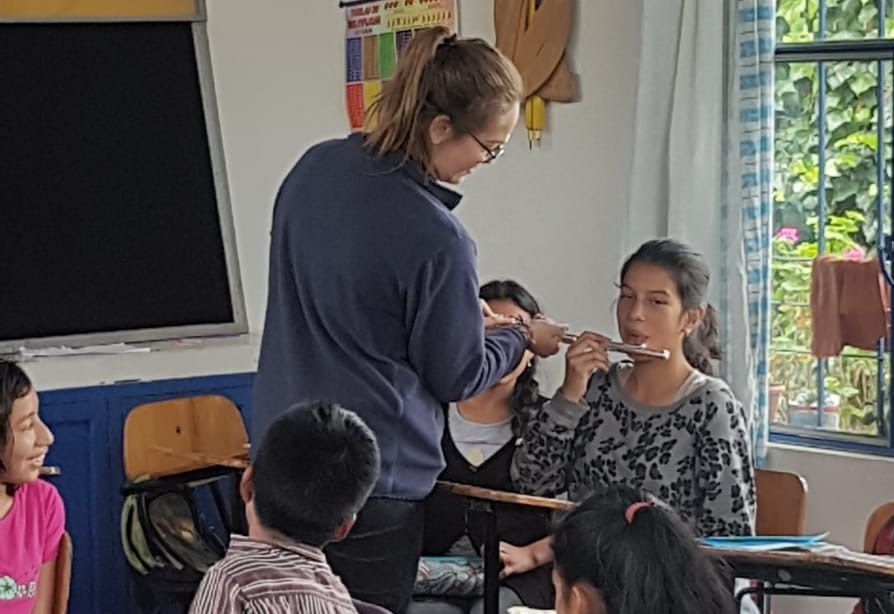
(692, 319)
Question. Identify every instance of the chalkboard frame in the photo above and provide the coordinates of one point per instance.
(238, 324)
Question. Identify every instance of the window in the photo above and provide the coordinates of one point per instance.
(832, 195)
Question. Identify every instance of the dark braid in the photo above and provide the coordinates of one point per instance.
(526, 395)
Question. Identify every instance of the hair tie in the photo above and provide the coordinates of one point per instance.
(634, 508)
(449, 41)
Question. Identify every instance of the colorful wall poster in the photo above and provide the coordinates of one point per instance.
(61, 10)
(376, 34)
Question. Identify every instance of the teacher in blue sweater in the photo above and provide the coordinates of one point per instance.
(373, 291)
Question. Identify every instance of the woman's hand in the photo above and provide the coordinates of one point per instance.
(584, 357)
(494, 320)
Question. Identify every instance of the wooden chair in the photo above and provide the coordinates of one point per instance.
(878, 538)
(171, 437)
(878, 519)
(182, 445)
(781, 510)
(781, 502)
(62, 586)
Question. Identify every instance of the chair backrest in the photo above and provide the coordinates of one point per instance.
(62, 582)
(781, 502)
(155, 433)
(881, 519)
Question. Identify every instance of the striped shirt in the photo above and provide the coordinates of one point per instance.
(264, 578)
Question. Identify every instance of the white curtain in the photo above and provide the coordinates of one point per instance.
(687, 171)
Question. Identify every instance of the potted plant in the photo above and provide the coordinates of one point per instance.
(802, 410)
(775, 394)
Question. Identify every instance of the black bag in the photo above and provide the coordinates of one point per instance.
(171, 533)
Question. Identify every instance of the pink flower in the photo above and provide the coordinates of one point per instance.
(854, 253)
(788, 234)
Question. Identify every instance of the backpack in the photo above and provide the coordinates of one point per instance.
(171, 533)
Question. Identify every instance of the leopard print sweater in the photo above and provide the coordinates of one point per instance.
(695, 455)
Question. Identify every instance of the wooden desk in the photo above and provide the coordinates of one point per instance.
(831, 572)
(836, 572)
(211, 469)
(502, 496)
(481, 501)
(238, 461)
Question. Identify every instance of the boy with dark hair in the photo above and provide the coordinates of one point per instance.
(312, 473)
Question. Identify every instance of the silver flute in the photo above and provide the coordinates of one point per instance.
(624, 348)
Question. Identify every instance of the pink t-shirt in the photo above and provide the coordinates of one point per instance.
(29, 537)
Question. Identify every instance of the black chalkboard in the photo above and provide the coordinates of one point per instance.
(109, 217)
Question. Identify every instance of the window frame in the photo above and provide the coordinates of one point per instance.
(821, 51)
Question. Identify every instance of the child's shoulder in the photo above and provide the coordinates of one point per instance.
(721, 411)
(38, 512)
(40, 492)
(715, 390)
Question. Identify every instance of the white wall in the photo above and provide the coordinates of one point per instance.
(547, 217)
(278, 71)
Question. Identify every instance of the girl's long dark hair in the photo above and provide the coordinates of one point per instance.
(526, 394)
(651, 565)
(14, 384)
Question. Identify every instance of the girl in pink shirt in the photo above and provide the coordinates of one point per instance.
(32, 517)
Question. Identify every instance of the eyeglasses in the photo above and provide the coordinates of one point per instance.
(492, 152)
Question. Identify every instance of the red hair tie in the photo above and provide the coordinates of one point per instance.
(634, 508)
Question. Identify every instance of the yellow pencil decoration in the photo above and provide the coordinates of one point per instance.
(535, 34)
(535, 106)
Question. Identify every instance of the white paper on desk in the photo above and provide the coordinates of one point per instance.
(64, 350)
(761, 543)
(771, 546)
(846, 554)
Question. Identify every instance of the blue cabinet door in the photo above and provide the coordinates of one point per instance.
(123, 399)
(81, 450)
(88, 425)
